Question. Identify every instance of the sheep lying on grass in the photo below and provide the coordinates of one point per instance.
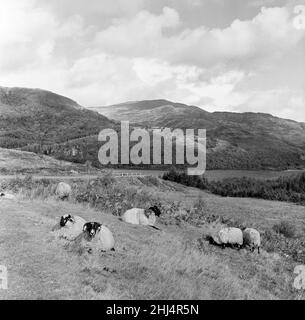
(70, 227)
(252, 238)
(7, 196)
(228, 236)
(63, 190)
(146, 217)
(99, 237)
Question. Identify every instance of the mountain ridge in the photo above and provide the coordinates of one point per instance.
(168, 102)
(44, 122)
(242, 140)
(38, 116)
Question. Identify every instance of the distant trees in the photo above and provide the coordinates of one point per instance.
(181, 177)
(291, 188)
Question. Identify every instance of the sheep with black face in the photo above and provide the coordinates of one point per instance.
(7, 196)
(146, 217)
(70, 227)
(99, 235)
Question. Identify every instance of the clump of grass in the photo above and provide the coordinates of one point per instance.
(285, 228)
(30, 188)
(178, 213)
(106, 179)
(150, 181)
(273, 241)
(106, 194)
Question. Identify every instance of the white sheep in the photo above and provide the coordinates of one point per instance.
(70, 227)
(99, 236)
(252, 238)
(146, 217)
(7, 196)
(63, 190)
(229, 236)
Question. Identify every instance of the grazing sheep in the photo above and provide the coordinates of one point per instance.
(70, 227)
(99, 235)
(63, 190)
(252, 238)
(146, 217)
(229, 236)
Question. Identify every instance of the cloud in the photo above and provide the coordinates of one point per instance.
(270, 32)
(29, 35)
(142, 35)
(137, 53)
(289, 103)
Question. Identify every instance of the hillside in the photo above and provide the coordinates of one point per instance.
(21, 162)
(29, 116)
(234, 140)
(174, 263)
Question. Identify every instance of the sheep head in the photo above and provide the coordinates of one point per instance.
(156, 210)
(92, 228)
(65, 219)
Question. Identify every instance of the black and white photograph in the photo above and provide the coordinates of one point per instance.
(152, 150)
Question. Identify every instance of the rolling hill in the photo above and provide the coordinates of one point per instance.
(34, 116)
(234, 140)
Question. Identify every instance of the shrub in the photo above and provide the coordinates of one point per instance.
(285, 228)
(181, 177)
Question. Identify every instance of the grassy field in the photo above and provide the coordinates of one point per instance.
(174, 263)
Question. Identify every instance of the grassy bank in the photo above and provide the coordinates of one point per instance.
(147, 264)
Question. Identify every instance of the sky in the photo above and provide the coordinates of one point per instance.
(220, 55)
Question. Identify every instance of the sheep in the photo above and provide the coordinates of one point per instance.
(70, 227)
(7, 196)
(63, 190)
(99, 235)
(252, 238)
(146, 217)
(229, 236)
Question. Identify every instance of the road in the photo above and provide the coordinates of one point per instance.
(116, 173)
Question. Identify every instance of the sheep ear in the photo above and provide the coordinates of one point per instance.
(85, 227)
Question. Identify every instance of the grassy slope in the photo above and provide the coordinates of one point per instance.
(172, 264)
(17, 162)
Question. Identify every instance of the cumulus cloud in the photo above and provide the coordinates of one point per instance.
(140, 53)
(141, 35)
